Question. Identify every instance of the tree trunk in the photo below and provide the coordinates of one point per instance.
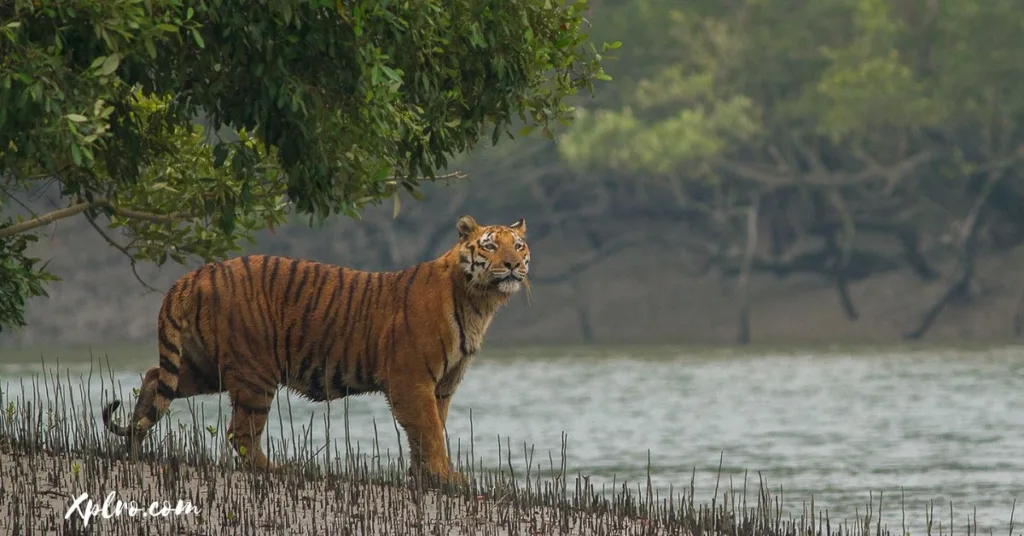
(743, 284)
(583, 312)
(960, 289)
(1018, 317)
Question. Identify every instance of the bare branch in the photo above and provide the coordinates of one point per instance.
(122, 249)
(775, 178)
(394, 180)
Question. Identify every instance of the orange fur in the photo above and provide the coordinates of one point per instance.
(251, 324)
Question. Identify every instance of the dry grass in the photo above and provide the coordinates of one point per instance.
(52, 450)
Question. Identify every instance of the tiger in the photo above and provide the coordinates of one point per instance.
(251, 324)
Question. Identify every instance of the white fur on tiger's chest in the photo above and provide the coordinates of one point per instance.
(468, 339)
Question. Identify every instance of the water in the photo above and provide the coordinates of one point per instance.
(924, 427)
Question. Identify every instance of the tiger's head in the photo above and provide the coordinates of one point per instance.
(494, 257)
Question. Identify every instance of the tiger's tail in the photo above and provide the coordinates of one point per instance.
(114, 428)
(160, 384)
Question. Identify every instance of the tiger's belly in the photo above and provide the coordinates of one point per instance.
(319, 389)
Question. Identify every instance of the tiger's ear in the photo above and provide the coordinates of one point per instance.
(519, 227)
(466, 226)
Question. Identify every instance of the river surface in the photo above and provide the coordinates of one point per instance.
(923, 426)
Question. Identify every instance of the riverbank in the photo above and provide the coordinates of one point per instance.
(643, 294)
(89, 493)
(55, 459)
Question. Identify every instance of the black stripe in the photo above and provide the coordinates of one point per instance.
(198, 295)
(444, 354)
(373, 288)
(168, 365)
(318, 273)
(458, 322)
(262, 303)
(291, 280)
(229, 276)
(308, 337)
(216, 309)
(196, 373)
(367, 314)
(152, 413)
(214, 290)
(273, 271)
(405, 299)
(288, 331)
(392, 340)
(256, 410)
(301, 289)
(338, 379)
(327, 336)
(232, 315)
(426, 361)
(357, 372)
(164, 390)
(249, 309)
(271, 277)
(348, 326)
(250, 383)
(315, 391)
(167, 344)
(244, 259)
(167, 307)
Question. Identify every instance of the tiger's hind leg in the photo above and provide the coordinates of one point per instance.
(252, 394)
(192, 379)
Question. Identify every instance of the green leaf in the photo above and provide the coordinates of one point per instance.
(109, 64)
(77, 118)
(150, 48)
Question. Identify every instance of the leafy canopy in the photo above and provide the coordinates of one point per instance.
(314, 106)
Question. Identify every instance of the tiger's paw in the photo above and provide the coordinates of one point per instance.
(448, 480)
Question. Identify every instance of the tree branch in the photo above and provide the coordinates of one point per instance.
(122, 249)
(78, 208)
(968, 246)
(174, 217)
(774, 178)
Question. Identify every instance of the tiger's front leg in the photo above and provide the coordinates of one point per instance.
(415, 407)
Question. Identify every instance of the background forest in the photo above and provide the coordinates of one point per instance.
(765, 171)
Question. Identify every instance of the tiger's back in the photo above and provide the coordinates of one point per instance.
(313, 327)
